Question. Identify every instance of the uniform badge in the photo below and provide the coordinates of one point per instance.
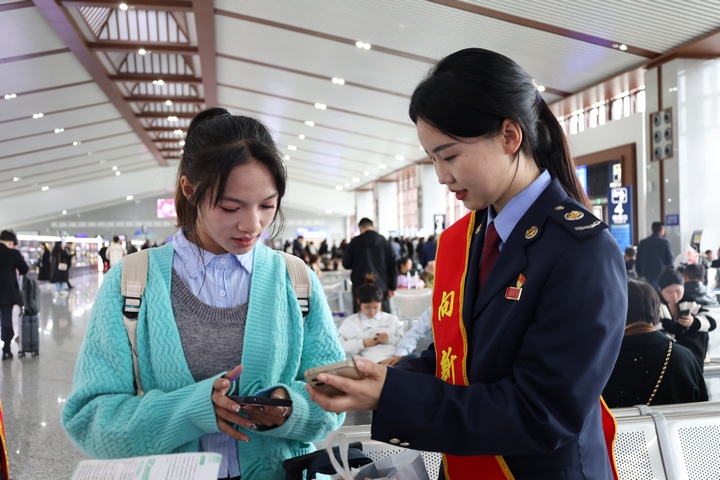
(531, 232)
(588, 227)
(574, 215)
(513, 293)
(559, 207)
(477, 230)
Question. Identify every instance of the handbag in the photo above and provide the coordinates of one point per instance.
(62, 267)
(662, 374)
(405, 465)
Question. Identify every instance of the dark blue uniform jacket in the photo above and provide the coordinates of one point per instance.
(536, 366)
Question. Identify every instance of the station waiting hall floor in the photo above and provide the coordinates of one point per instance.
(33, 389)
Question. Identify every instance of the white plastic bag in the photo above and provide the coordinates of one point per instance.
(407, 465)
(686, 256)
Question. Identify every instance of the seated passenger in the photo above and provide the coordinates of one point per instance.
(688, 322)
(370, 333)
(414, 341)
(651, 368)
(695, 289)
(406, 278)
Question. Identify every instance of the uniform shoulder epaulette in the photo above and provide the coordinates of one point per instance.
(576, 219)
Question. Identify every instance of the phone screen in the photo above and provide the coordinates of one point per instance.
(262, 401)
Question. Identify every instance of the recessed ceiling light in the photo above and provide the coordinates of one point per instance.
(328, 211)
(159, 82)
(142, 51)
(292, 147)
(382, 166)
(355, 179)
(178, 132)
(363, 45)
(622, 47)
(309, 123)
(172, 118)
(541, 88)
(287, 157)
(338, 81)
(366, 173)
(114, 168)
(338, 187)
(64, 212)
(75, 144)
(38, 115)
(399, 158)
(129, 197)
(59, 130)
(45, 188)
(320, 106)
(301, 136)
(16, 179)
(117, 174)
(168, 102)
(123, 6)
(10, 96)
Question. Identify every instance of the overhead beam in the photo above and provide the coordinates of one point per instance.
(175, 5)
(166, 114)
(152, 47)
(205, 30)
(150, 77)
(160, 98)
(60, 20)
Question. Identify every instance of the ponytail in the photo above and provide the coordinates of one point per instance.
(552, 152)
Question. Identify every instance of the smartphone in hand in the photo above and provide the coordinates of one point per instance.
(262, 401)
(345, 368)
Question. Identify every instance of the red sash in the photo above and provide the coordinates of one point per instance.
(451, 349)
(4, 464)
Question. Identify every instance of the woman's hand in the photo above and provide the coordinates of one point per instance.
(391, 361)
(359, 394)
(686, 321)
(226, 410)
(269, 416)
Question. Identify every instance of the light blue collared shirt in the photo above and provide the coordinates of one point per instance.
(221, 281)
(506, 220)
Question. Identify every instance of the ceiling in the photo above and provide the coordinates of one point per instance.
(105, 131)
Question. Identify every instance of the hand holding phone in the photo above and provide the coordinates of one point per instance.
(261, 401)
(345, 368)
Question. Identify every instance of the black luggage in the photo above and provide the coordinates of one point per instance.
(30, 336)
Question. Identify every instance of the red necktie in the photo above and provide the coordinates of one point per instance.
(490, 252)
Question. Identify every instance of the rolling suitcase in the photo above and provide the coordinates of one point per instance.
(30, 336)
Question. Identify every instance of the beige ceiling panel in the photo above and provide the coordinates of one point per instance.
(659, 25)
(25, 32)
(41, 72)
(64, 98)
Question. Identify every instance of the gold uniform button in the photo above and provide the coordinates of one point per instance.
(531, 232)
(395, 441)
(404, 444)
(559, 207)
(574, 215)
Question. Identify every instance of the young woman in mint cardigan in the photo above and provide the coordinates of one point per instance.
(219, 317)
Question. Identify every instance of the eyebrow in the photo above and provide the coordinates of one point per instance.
(236, 200)
(443, 147)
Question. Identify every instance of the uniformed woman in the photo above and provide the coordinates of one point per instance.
(529, 299)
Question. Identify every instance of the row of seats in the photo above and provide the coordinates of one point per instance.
(669, 442)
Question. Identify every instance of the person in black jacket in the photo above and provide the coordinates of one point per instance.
(645, 354)
(653, 255)
(695, 289)
(11, 263)
(369, 252)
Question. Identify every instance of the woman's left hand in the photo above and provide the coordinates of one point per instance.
(686, 321)
(269, 416)
(359, 394)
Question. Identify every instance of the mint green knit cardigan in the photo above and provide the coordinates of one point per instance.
(105, 419)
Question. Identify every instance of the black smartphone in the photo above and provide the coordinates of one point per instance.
(262, 401)
(682, 313)
(345, 368)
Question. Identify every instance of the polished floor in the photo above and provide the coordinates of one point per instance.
(33, 389)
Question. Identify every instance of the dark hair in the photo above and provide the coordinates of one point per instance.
(630, 251)
(216, 143)
(402, 261)
(471, 92)
(670, 276)
(365, 222)
(657, 227)
(643, 303)
(694, 272)
(8, 236)
(116, 239)
(369, 291)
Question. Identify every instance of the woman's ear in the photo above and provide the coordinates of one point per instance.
(187, 189)
(512, 136)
